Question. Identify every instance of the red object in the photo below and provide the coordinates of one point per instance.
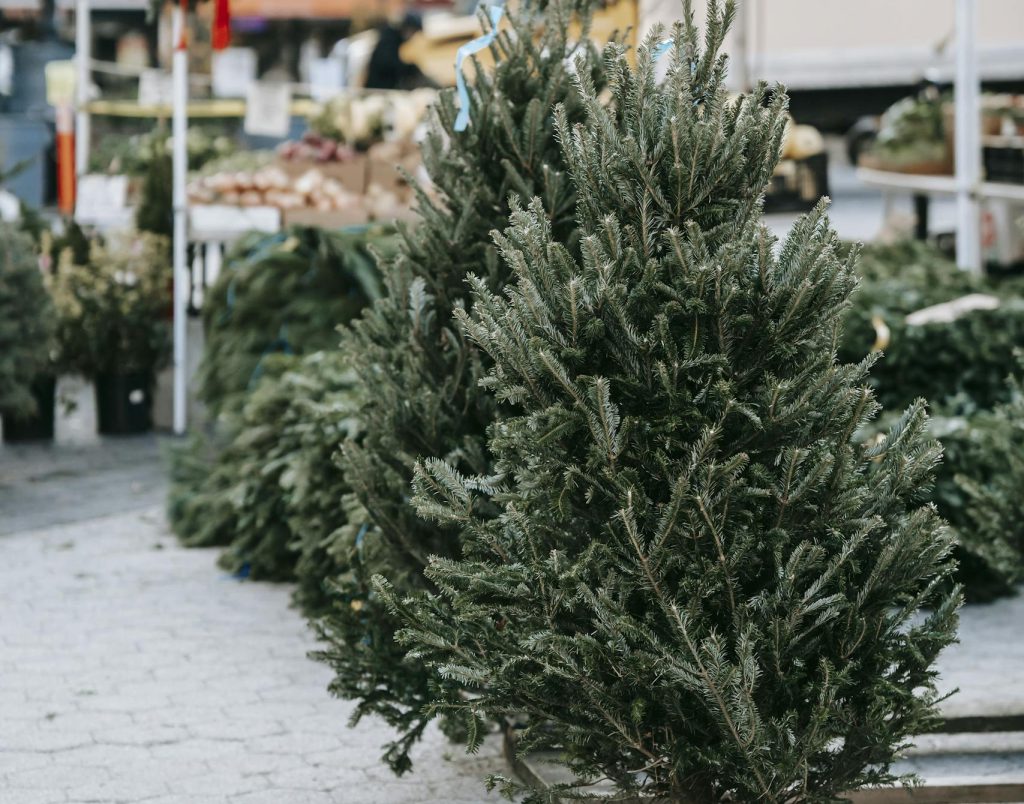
(65, 160)
(221, 34)
(183, 39)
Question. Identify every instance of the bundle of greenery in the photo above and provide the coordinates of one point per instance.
(285, 487)
(113, 311)
(978, 490)
(287, 293)
(27, 322)
(279, 297)
(959, 360)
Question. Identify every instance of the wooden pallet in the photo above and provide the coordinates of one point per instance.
(541, 772)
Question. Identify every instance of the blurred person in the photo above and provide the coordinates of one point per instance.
(386, 69)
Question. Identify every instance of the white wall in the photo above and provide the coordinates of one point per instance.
(833, 43)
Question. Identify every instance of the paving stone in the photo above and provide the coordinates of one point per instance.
(279, 795)
(60, 775)
(52, 796)
(156, 680)
(131, 674)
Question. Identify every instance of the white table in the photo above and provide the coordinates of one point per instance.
(923, 187)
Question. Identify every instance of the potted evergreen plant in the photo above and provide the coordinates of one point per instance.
(27, 324)
(113, 327)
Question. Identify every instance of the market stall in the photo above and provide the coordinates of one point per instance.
(930, 146)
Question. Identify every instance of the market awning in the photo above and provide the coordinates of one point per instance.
(316, 9)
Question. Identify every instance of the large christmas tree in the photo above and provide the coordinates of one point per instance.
(699, 586)
(417, 373)
(26, 322)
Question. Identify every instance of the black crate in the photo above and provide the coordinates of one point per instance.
(798, 184)
(1004, 163)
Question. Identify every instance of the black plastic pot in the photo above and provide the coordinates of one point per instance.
(38, 426)
(124, 403)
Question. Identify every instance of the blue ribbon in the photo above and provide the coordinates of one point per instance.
(661, 49)
(361, 535)
(495, 12)
(279, 345)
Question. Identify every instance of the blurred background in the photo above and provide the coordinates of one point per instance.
(308, 113)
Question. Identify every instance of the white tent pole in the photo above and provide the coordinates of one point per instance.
(967, 136)
(180, 158)
(83, 56)
(741, 47)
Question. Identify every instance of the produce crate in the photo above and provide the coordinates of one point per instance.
(351, 173)
(797, 184)
(385, 159)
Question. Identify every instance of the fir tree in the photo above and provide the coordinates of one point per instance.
(978, 491)
(696, 587)
(417, 373)
(27, 322)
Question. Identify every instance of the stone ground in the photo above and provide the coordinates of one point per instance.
(132, 670)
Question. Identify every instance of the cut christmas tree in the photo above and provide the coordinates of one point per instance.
(279, 297)
(698, 586)
(27, 323)
(978, 490)
(417, 373)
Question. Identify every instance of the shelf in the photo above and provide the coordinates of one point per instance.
(228, 107)
(937, 185)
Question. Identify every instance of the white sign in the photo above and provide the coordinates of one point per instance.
(60, 82)
(101, 200)
(233, 70)
(215, 222)
(10, 207)
(326, 78)
(268, 109)
(156, 88)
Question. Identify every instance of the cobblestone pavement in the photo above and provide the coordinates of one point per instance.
(132, 670)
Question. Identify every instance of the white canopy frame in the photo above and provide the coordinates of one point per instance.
(967, 136)
(967, 132)
(179, 129)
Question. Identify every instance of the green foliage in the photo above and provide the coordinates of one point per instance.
(962, 363)
(978, 491)
(287, 490)
(198, 506)
(279, 297)
(269, 488)
(282, 293)
(417, 374)
(113, 312)
(316, 483)
(156, 205)
(912, 131)
(133, 154)
(27, 321)
(696, 587)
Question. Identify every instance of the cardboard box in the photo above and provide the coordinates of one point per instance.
(352, 173)
(384, 161)
(335, 219)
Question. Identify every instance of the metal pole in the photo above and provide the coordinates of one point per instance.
(741, 48)
(179, 127)
(83, 56)
(967, 135)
